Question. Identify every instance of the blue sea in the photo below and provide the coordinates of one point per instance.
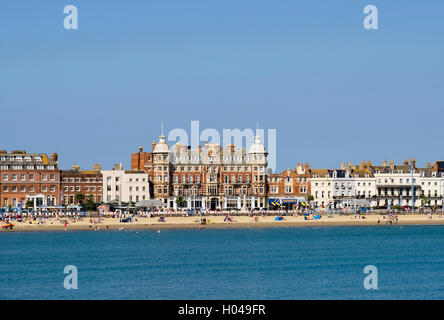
(281, 263)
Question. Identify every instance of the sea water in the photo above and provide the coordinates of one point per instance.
(273, 263)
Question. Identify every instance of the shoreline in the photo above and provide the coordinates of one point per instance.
(218, 223)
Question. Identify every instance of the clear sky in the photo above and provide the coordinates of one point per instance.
(333, 91)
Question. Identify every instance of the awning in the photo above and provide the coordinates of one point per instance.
(294, 201)
(150, 203)
(274, 202)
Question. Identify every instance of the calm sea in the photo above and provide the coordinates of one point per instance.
(284, 263)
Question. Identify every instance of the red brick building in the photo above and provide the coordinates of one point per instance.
(288, 188)
(86, 182)
(29, 177)
(211, 177)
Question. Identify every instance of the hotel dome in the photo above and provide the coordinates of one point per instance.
(162, 146)
(257, 146)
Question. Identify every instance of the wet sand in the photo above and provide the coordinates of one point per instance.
(218, 222)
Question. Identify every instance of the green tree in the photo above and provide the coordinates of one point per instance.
(90, 205)
(80, 197)
(181, 202)
(29, 204)
(425, 201)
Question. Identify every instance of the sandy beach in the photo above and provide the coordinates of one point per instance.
(218, 222)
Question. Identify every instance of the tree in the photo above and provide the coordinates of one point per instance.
(90, 205)
(29, 204)
(80, 197)
(181, 202)
(310, 197)
(425, 201)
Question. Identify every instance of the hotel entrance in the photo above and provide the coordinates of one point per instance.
(213, 203)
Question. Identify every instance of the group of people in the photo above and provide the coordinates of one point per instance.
(390, 218)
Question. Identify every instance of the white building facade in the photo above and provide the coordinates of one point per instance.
(125, 186)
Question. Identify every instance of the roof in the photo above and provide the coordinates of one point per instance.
(362, 173)
(26, 159)
(150, 203)
(162, 146)
(257, 146)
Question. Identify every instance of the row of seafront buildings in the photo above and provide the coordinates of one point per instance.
(214, 177)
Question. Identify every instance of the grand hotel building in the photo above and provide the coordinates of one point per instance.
(211, 177)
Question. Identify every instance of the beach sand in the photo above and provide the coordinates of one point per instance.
(218, 222)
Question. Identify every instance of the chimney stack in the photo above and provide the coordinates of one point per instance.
(154, 144)
(413, 162)
(406, 162)
(140, 149)
(54, 157)
(435, 167)
(392, 164)
(384, 163)
(97, 167)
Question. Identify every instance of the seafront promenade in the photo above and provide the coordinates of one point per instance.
(213, 222)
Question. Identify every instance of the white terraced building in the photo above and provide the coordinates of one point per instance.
(125, 186)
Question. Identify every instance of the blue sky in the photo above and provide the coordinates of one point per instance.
(333, 90)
